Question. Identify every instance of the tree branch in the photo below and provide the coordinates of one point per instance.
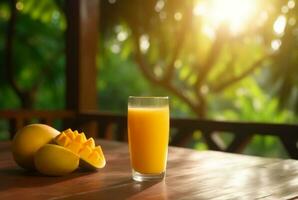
(26, 96)
(223, 73)
(181, 95)
(212, 56)
(140, 59)
(143, 66)
(169, 71)
(8, 52)
(221, 86)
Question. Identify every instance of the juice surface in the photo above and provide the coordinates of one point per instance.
(148, 132)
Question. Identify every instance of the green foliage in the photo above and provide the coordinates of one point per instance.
(39, 58)
(268, 146)
(4, 135)
(38, 53)
(119, 77)
(246, 101)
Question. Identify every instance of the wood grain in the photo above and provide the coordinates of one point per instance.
(190, 175)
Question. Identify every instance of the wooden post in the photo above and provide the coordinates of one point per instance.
(81, 48)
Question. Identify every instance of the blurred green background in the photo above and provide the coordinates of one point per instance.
(217, 59)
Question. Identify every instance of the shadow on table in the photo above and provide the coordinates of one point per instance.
(15, 177)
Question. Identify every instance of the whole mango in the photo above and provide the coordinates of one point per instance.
(28, 141)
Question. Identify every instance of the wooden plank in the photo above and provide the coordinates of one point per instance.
(28, 114)
(190, 175)
(236, 126)
(291, 144)
(182, 137)
(81, 50)
(259, 128)
(18, 118)
(212, 144)
(14, 125)
(239, 143)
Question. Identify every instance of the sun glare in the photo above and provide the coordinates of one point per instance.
(234, 13)
(280, 25)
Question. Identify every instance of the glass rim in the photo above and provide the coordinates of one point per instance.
(148, 97)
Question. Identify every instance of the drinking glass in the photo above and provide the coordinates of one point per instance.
(148, 136)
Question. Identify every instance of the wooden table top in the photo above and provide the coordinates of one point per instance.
(190, 175)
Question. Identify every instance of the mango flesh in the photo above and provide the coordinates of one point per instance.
(54, 160)
(93, 160)
(91, 156)
(28, 141)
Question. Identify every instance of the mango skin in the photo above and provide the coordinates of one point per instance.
(54, 160)
(28, 141)
(87, 165)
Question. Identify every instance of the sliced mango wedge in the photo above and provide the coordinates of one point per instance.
(91, 156)
(54, 160)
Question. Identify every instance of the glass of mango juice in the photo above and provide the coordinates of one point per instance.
(148, 136)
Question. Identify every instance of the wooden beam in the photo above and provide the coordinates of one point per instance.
(81, 49)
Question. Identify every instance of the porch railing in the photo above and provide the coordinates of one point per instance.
(114, 127)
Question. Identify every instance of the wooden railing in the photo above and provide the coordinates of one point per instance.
(114, 127)
(19, 118)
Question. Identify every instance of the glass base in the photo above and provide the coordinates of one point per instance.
(147, 177)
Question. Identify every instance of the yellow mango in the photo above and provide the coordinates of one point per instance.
(81, 138)
(54, 160)
(28, 140)
(90, 142)
(74, 146)
(93, 160)
(85, 152)
(69, 133)
(63, 140)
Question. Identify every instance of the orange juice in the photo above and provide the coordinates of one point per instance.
(148, 132)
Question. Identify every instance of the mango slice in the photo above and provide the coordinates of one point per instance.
(91, 156)
(54, 160)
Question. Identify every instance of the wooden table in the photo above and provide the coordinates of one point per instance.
(190, 175)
